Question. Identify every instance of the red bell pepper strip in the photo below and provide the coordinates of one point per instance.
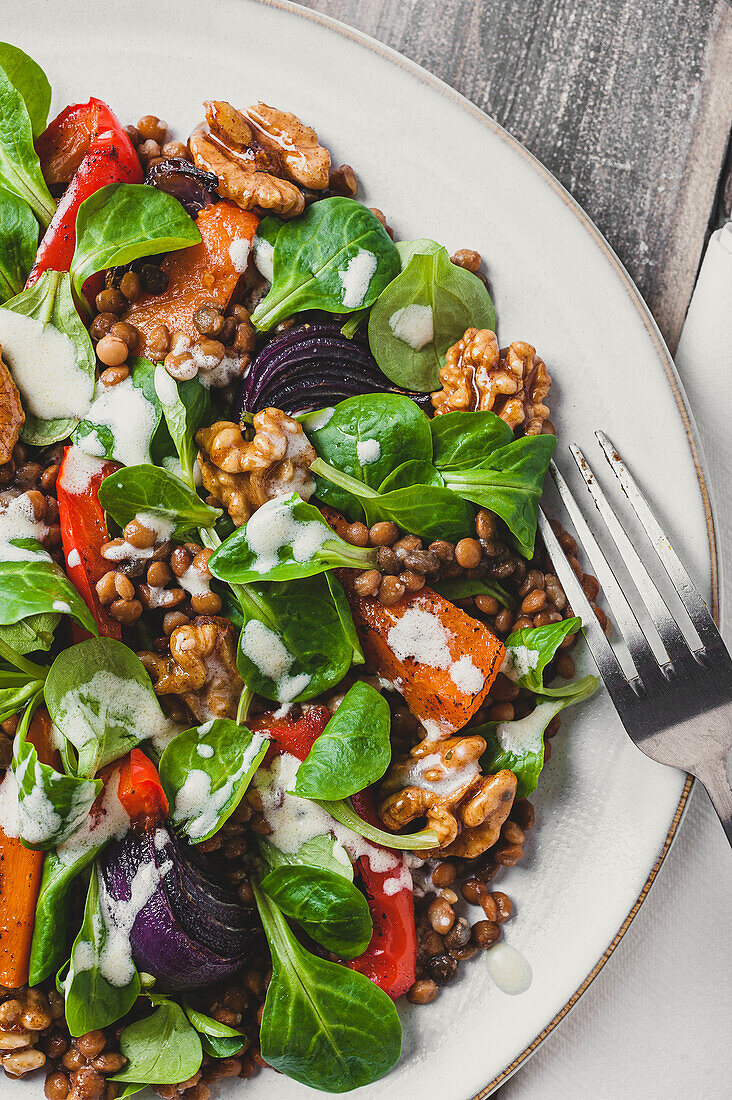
(390, 959)
(65, 142)
(140, 790)
(109, 158)
(83, 533)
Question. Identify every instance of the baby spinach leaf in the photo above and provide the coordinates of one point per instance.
(263, 245)
(323, 851)
(205, 772)
(92, 1001)
(323, 1025)
(50, 302)
(123, 222)
(325, 905)
(431, 511)
(218, 1040)
(32, 584)
(284, 540)
(412, 473)
(18, 243)
(460, 588)
(31, 634)
(385, 429)
(519, 745)
(292, 645)
(29, 79)
(20, 169)
(336, 257)
(186, 407)
(509, 483)
(343, 609)
(101, 698)
(162, 1049)
(344, 812)
(135, 489)
(14, 696)
(51, 806)
(529, 651)
(425, 310)
(465, 439)
(353, 750)
(122, 420)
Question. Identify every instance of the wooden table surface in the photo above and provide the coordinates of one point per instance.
(627, 102)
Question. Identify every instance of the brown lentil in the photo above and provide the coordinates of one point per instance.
(467, 258)
(423, 992)
(485, 933)
(391, 591)
(112, 376)
(468, 553)
(357, 534)
(342, 181)
(384, 533)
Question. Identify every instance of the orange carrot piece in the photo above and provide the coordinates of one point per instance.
(20, 880)
(205, 272)
(441, 660)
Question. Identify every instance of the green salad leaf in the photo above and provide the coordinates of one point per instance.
(20, 169)
(324, 852)
(186, 408)
(460, 588)
(123, 222)
(50, 302)
(529, 651)
(122, 420)
(31, 584)
(31, 634)
(162, 1049)
(425, 310)
(205, 772)
(465, 439)
(92, 1000)
(343, 812)
(149, 489)
(29, 79)
(353, 750)
(217, 1039)
(18, 243)
(335, 257)
(325, 905)
(323, 1025)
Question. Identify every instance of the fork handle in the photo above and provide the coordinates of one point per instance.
(718, 788)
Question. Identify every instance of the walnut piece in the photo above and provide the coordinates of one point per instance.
(12, 417)
(260, 156)
(513, 382)
(242, 474)
(201, 668)
(442, 782)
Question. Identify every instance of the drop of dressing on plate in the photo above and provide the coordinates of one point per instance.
(508, 968)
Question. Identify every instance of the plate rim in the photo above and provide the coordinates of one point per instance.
(672, 377)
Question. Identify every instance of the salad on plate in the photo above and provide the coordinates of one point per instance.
(281, 655)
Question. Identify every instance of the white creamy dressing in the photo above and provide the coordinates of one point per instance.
(38, 821)
(508, 968)
(265, 650)
(197, 806)
(431, 774)
(526, 735)
(467, 676)
(62, 606)
(9, 805)
(73, 559)
(205, 751)
(263, 255)
(221, 374)
(420, 635)
(130, 417)
(239, 250)
(356, 276)
(115, 959)
(18, 521)
(319, 419)
(125, 702)
(165, 386)
(163, 529)
(270, 529)
(368, 451)
(79, 468)
(294, 820)
(519, 661)
(42, 361)
(193, 583)
(111, 821)
(413, 325)
(400, 881)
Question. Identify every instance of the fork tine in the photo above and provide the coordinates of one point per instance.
(662, 619)
(607, 663)
(640, 650)
(688, 593)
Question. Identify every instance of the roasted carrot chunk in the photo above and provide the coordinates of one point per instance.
(206, 272)
(20, 880)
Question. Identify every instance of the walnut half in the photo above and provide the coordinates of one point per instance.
(442, 782)
(513, 383)
(201, 668)
(242, 474)
(12, 417)
(261, 156)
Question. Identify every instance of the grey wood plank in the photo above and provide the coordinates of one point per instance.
(627, 102)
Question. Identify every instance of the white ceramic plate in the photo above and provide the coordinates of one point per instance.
(439, 168)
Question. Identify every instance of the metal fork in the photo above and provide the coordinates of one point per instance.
(677, 706)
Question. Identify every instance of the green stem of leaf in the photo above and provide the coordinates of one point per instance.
(37, 672)
(243, 708)
(344, 813)
(343, 481)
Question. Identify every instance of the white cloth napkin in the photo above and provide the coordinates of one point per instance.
(655, 1023)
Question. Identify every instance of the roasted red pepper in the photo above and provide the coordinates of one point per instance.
(83, 533)
(390, 959)
(88, 141)
(140, 790)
